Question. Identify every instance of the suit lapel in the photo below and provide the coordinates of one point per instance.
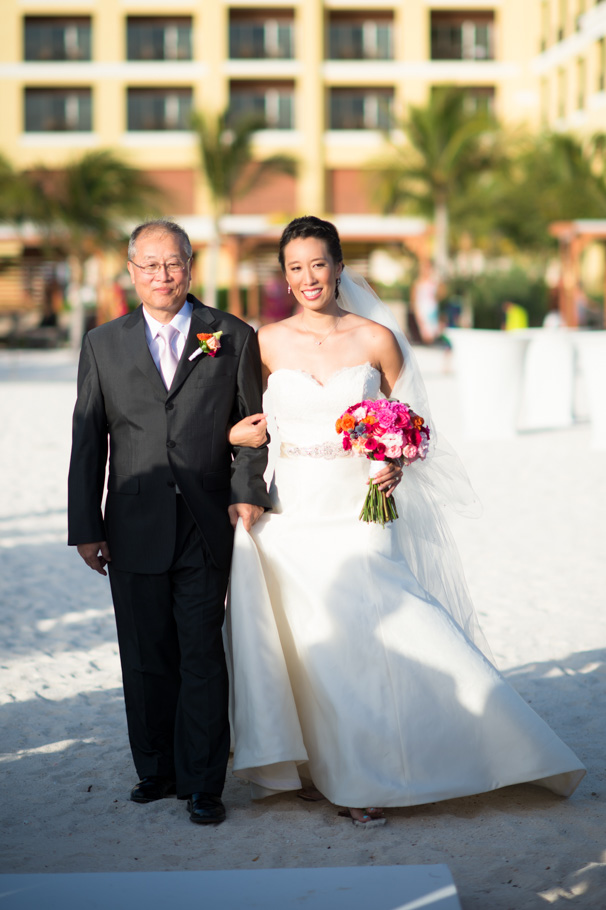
(202, 320)
(136, 344)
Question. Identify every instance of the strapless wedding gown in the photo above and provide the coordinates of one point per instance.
(344, 670)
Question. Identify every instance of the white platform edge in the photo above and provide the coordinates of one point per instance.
(429, 887)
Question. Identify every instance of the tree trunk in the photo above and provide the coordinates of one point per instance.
(212, 267)
(234, 299)
(74, 295)
(441, 237)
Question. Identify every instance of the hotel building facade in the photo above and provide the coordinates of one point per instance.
(327, 76)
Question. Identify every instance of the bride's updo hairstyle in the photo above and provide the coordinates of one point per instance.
(310, 226)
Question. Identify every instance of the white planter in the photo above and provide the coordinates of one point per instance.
(592, 354)
(489, 367)
(549, 380)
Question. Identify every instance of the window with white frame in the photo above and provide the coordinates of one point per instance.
(271, 104)
(57, 38)
(58, 110)
(261, 35)
(462, 35)
(158, 38)
(159, 109)
(360, 108)
(360, 37)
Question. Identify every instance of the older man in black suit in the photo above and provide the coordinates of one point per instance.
(161, 405)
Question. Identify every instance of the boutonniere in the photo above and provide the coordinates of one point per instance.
(209, 344)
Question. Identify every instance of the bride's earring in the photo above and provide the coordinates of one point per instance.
(288, 286)
(337, 283)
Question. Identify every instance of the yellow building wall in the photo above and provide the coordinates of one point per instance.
(571, 65)
(525, 79)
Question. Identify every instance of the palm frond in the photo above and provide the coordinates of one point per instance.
(227, 158)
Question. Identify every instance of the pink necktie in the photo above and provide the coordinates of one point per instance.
(168, 358)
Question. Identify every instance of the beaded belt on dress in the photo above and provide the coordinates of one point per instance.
(323, 450)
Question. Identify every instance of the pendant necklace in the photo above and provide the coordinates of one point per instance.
(322, 340)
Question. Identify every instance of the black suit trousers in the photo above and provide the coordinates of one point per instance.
(173, 664)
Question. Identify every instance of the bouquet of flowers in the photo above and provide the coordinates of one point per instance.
(383, 430)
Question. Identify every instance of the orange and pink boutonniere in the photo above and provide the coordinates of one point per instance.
(209, 343)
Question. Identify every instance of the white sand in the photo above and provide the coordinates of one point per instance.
(536, 567)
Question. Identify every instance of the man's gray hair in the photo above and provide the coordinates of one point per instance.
(160, 226)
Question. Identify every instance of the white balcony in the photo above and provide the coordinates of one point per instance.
(592, 27)
(262, 69)
(84, 73)
(65, 139)
(158, 138)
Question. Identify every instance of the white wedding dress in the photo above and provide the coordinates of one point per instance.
(344, 670)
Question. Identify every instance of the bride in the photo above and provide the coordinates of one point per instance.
(358, 670)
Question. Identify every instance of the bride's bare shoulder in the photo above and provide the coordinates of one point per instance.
(271, 328)
(377, 331)
(273, 337)
(273, 331)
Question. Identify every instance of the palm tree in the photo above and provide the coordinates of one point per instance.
(553, 177)
(12, 190)
(79, 211)
(96, 195)
(447, 150)
(230, 170)
(24, 199)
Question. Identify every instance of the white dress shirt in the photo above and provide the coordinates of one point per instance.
(181, 322)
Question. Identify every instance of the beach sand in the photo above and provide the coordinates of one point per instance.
(536, 568)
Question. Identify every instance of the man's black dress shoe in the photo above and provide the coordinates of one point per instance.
(205, 809)
(152, 788)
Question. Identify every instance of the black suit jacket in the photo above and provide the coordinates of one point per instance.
(157, 439)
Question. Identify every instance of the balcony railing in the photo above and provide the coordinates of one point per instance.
(360, 109)
(158, 40)
(465, 41)
(50, 110)
(270, 40)
(481, 102)
(159, 109)
(273, 108)
(360, 41)
(59, 39)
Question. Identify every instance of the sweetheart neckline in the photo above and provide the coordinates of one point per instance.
(329, 379)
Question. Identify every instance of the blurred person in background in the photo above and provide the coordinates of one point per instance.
(515, 316)
(425, 304)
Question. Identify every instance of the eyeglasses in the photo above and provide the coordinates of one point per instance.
(172, 267)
